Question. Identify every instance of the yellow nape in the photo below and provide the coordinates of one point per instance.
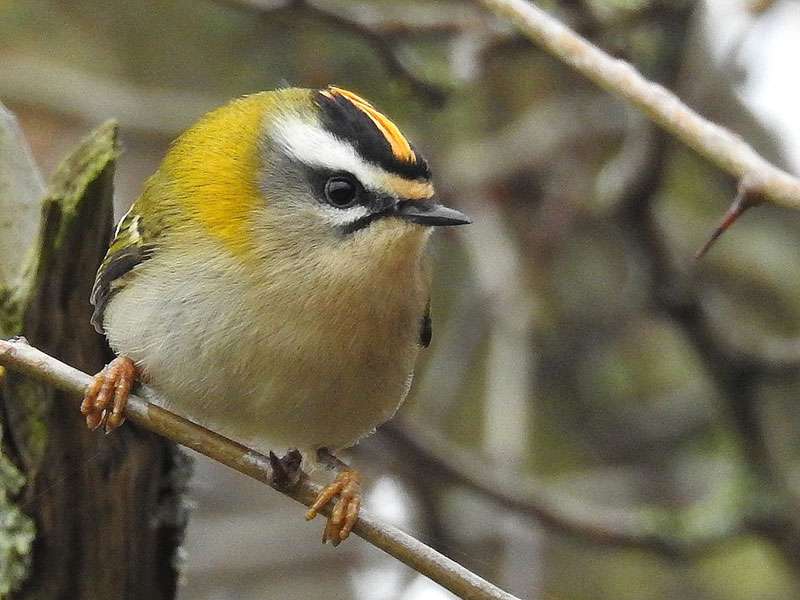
(213, 169)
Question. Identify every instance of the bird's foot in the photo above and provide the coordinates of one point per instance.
(344, 515)
(286, 469)
(105, 398)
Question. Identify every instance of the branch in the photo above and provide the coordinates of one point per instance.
(620, 529)
(375, 32)
(729, 152)
(530, 141)
(737, 373)
(16, 354)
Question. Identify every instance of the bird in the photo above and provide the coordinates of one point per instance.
(272, 281)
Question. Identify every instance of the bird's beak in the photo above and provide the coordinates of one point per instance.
(428, 212)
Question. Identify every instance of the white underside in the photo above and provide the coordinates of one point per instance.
(318, 363)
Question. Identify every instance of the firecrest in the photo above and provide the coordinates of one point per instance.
(271, 281)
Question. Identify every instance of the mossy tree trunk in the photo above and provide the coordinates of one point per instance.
(82, 515)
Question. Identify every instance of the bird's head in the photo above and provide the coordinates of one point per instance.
(297, 171)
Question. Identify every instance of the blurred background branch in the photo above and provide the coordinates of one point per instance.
(380, 31)
(442, 461)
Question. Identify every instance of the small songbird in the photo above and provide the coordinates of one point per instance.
(271, 281)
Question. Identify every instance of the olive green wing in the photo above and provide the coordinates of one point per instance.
(131, 246)
(426, 327)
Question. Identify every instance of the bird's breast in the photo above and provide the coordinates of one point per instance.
(301, 358)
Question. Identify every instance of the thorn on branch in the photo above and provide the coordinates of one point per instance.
(747, 196)
(728, 151)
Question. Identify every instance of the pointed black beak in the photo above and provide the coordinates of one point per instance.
(427, 212)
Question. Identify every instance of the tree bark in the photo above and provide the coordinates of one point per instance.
(106, 511)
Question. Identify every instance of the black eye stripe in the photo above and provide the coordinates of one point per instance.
(361, 223)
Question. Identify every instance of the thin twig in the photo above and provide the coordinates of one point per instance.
(723, 148)
(736, 375)
(527, 496)
(372, 32)
(19, 356)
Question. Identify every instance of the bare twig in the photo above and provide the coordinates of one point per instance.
(527, 496)
(737, 377)
(735, 374)
(377, 34)
(723, 148)
(391, 20)
(531, 140)
(411, 21)
(772, 355)
(19, 356)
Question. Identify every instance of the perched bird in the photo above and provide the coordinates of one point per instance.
(271, 281)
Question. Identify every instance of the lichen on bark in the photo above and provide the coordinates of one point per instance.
(21, 192)
(17, 531)
(129, 485)
(30, 254)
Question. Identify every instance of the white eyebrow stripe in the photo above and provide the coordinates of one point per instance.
(316, 147)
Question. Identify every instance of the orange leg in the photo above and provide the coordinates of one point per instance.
(105, 398)
(347, 486)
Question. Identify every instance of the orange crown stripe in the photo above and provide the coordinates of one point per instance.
(401, 149)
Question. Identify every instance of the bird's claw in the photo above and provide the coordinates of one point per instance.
(347, 486)
(106, 397)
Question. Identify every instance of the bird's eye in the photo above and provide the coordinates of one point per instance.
(341, 191)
